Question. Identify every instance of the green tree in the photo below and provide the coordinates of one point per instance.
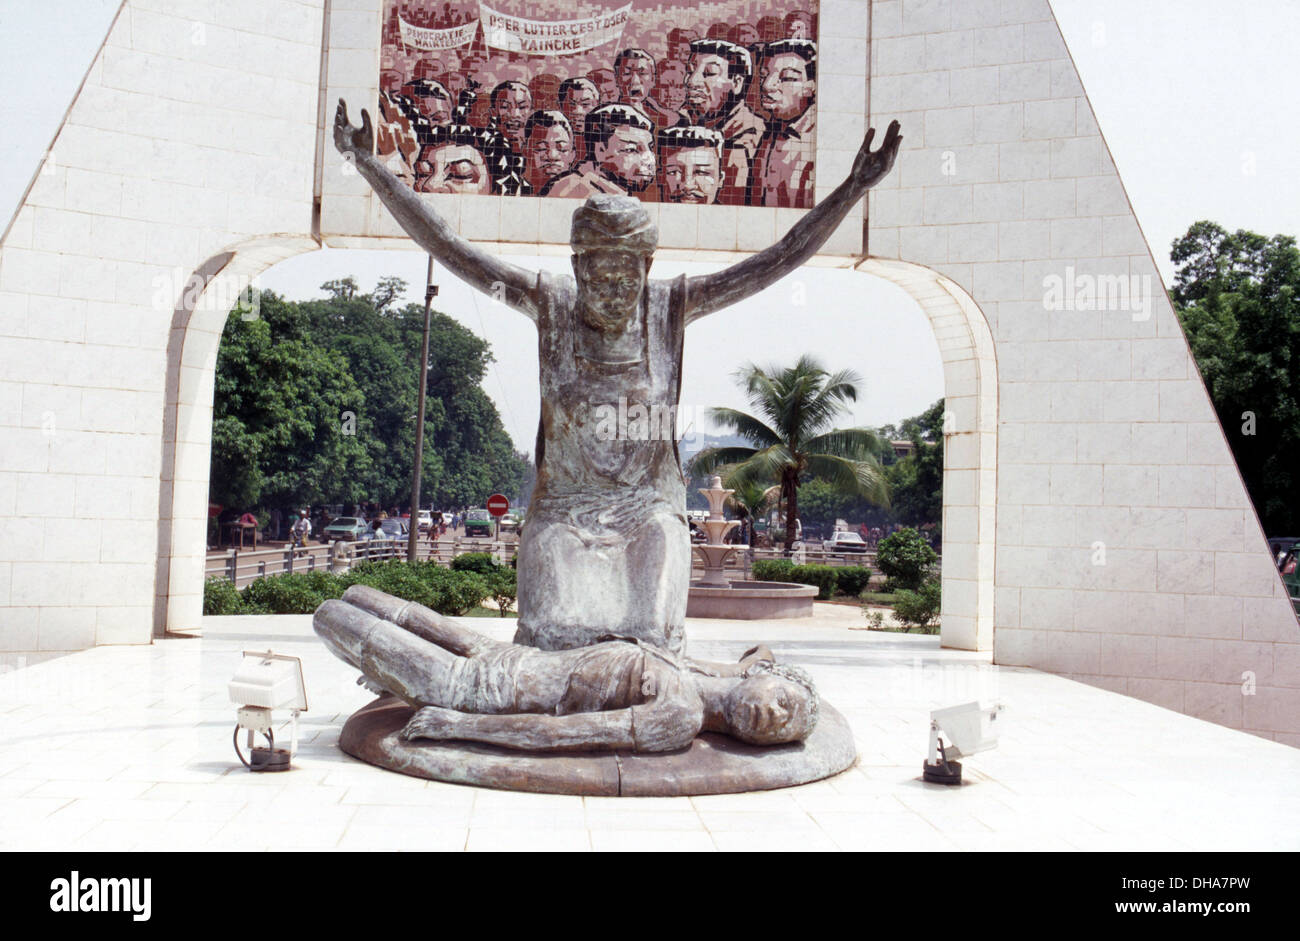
(916, 481)
(792, 437)
(316, 400)
(1235, 294)
(906, 558)
(750, 501)
(277, 428)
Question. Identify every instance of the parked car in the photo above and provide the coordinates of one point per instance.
(426, 518)
(1291, 575)
(478, 523)
(349, 528)
(510, 523)
(844, 542)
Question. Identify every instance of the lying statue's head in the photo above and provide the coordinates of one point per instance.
(773, 704)
(613, 243)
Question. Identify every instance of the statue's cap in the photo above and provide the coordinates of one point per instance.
(612, 222)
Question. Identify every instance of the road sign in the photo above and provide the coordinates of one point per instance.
(497, 505)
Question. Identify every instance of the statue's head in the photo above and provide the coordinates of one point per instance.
(773, 704)
(613, 244)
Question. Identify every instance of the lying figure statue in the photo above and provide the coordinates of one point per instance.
(615, 694)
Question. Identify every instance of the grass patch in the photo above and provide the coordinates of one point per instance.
(482, 612)
(883, 598)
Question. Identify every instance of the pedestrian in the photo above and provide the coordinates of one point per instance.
(301, 530)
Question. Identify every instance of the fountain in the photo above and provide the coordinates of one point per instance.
(714, 595)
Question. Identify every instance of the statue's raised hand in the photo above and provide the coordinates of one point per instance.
(349, 139)
(870, 166)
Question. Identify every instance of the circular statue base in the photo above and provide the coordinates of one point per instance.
(714, 764)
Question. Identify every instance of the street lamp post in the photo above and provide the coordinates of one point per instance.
(413, 538)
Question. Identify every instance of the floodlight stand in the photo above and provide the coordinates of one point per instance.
(937, 769)
(256, 719)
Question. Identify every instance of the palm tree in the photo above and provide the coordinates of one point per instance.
(750, 500)
(792, 436)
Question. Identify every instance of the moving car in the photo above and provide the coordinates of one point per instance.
(510, 522)
(478, 523)
(348, 528)
(426, 518)
(844, 542)
(396, 529)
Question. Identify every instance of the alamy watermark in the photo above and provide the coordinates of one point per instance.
(1075, 291)
(632, 421)
(78, 894)
(177, 288)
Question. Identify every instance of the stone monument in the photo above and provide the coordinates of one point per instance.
(606, 550)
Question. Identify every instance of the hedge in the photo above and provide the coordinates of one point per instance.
(220, 596)
(823, 576)
(480, 562)
(772, 570)
(427, 583)
(853, 579)
(290, 593)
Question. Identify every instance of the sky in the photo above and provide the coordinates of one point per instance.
(1195, 99)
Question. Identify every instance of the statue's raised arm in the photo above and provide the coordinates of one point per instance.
(506, 282)
(711, 292)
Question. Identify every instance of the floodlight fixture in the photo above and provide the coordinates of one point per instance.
(265, 682)
(969, 728)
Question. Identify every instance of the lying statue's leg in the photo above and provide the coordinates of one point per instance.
(410, 667)
(419, 620)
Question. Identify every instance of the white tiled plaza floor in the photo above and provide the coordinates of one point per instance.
(122, 748)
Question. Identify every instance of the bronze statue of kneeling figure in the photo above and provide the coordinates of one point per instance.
(617, 694)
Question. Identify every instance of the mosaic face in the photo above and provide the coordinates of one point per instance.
(690, 175)
(452, 168)
(785, 89)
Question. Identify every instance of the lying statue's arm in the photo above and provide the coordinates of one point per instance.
(708, 293)
(585, 731)
(671, 717)
(505, 282)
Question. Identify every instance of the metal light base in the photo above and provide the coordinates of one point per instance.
(946, 772)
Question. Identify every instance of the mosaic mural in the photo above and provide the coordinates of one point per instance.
(667, 101)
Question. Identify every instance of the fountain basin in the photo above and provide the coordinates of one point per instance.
(750, 601)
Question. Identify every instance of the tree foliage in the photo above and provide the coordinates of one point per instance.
(792, 437)
(1235, 294)
(916, 482)
(906, 558)
(315, 403)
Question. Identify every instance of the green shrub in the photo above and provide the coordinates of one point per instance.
(823, 576)
(919, 608)
(220, 596)
(503, 587)
(772, 570)
(906, 558)
(480, 562)
(291, 593)
(427, 583)
(852, 579)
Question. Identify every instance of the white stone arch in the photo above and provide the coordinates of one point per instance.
(970, 376)
(197, 326)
